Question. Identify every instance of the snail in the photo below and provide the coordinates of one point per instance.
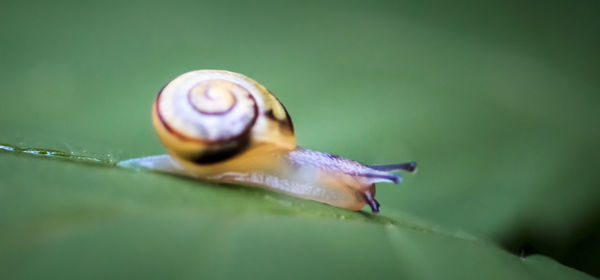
(224, 127)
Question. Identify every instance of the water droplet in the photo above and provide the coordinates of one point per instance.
(49, 153)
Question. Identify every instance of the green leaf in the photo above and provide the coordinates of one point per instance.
(67, 220)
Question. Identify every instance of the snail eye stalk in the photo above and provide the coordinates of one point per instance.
(407, 166)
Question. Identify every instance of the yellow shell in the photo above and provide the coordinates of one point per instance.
(208, 116)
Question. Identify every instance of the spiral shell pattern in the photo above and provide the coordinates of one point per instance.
(207, 116)
(207, 111)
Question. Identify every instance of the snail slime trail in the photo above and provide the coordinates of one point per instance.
(225, 127)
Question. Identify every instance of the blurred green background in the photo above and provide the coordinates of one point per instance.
(498, 102)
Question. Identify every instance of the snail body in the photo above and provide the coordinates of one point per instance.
(222, 126)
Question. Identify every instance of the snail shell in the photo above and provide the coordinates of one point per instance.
(209, 116)
(225, 127)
